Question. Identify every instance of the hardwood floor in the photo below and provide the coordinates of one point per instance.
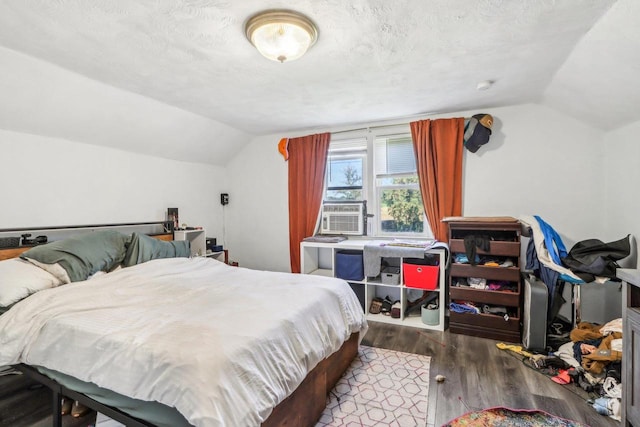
(478, 375)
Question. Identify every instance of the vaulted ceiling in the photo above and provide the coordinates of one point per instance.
(149, 75)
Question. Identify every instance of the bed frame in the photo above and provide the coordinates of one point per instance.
(301, 409)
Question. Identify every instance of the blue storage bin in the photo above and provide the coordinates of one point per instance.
(349, 265)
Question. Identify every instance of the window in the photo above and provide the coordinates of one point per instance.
(399, 202)
(346, 170)
(379, 169)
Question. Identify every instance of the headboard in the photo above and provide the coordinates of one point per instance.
(161, 230)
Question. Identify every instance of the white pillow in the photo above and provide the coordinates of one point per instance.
(55, 269)
(19, 279)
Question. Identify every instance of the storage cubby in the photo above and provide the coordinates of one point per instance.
(337, 259)
(198, 243)
(197, 240)
(493, 285)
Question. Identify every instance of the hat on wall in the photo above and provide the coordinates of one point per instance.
(485, 120)
(283, 148)
(477, 131)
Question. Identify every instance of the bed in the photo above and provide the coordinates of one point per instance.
(212, 345)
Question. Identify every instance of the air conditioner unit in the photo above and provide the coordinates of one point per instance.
(342, 218)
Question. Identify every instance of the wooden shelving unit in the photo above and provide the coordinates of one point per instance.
(504, 235)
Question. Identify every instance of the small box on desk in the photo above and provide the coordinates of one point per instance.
(349, 265)
(418, 273)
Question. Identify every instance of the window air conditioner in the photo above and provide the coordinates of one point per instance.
(342, 218)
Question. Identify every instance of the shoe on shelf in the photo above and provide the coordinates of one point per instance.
(78, 410)
(386, 306)
(66, 406)
(376, 305)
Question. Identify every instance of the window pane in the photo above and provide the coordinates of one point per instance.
(345, 172)
(387, 181)
(401, 211)
(400, 156)
(394, 155)
(341, 195)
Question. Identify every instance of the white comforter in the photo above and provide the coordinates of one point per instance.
(223, 345)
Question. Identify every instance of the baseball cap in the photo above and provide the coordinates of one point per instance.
(477, 131)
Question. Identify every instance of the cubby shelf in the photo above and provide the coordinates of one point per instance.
(319, 258)
(197, 239)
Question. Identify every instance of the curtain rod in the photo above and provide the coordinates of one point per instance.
(408, 118)
(368, 128)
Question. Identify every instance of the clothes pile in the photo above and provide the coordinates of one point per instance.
(592, 361)
(589, 260)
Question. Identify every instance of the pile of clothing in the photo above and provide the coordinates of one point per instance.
(592, 361)
(588, 260)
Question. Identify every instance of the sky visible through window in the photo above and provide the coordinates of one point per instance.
(339, 172)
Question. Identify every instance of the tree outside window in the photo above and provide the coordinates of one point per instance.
(401, 209)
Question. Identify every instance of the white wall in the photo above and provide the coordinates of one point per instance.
(620, 173)
(538, 161)
(50, 181)
(43, 99)
(257, 216)
(622, 177)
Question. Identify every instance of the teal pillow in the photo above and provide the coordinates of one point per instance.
(83, 255)
(143, 248)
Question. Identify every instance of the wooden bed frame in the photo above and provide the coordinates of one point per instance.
(301, 409)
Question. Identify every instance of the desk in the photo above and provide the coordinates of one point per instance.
(631, 346)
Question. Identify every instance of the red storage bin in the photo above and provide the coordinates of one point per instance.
(420, 276)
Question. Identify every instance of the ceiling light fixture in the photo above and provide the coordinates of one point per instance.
(281, 35)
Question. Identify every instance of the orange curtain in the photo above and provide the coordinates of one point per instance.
(307, 165)
(438, 148)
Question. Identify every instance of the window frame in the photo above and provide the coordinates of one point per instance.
(371, 191)
(347, 154)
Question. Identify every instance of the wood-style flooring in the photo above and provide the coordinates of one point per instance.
(478, 375)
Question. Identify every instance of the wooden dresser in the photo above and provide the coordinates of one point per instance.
(503, 235)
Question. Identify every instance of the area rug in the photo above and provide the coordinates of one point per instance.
(505, 417)
(380, 388)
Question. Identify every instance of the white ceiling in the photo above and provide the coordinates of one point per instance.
(375, 60)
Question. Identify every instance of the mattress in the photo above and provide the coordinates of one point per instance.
(223, 345)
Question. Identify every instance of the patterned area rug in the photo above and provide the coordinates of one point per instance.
(505, 417)
(380, 388)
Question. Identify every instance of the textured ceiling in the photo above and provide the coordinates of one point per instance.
(374, 60)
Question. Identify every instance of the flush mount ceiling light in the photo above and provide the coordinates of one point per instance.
(281, 35)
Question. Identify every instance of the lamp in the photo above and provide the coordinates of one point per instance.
(281, 35)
